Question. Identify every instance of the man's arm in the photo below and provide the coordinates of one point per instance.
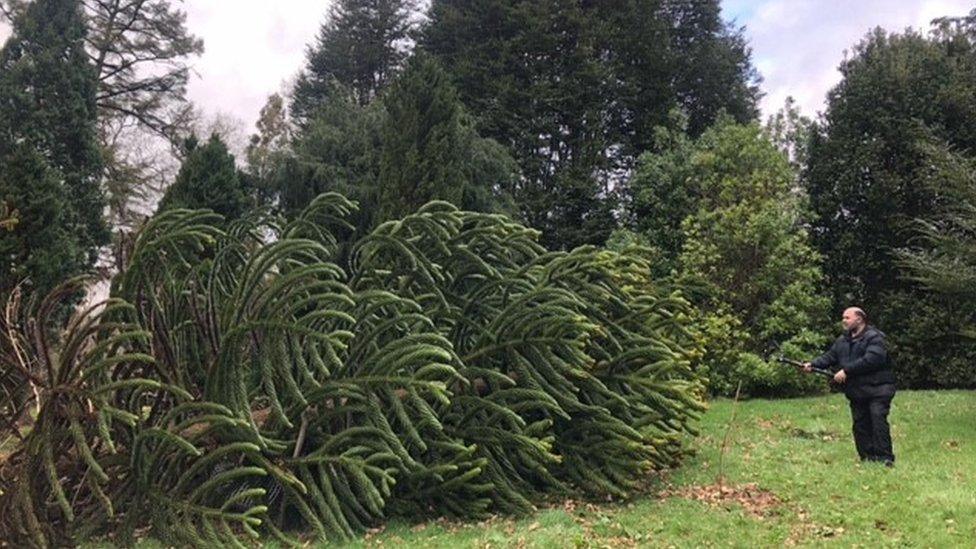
(826, 360)
(875, 358)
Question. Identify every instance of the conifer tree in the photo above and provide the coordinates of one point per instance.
(338, 150)
(575, 90)
(207, 179)
(140, 52)
(239, 384)
(430, 149)
(48, 146)
(360, 48)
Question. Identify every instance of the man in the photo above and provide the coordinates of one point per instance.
(861, 364)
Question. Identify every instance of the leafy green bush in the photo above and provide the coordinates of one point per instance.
(740, 249)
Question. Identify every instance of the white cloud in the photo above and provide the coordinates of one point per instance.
(251, 48)
(798, 44)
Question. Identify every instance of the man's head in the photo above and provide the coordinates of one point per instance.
(854, 319)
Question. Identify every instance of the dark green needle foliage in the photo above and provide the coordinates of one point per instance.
(240, 386)
(50, 163)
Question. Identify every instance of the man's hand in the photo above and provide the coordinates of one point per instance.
(808, 367)
(840, 376)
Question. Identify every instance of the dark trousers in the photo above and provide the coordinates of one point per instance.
(872, 436)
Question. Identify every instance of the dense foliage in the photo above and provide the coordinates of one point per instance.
(722, 214)
(240, 383)
(359, 50)
(942, 259)
(575, 90)
(208, 179)
(50, 161)
(414, 144)
(896, 129)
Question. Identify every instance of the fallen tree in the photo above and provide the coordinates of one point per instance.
(239, 384)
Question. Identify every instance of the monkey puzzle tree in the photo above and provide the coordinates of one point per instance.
(239, 385)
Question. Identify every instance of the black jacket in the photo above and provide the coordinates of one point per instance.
(865, 360)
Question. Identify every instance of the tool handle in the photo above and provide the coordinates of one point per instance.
(798, 364)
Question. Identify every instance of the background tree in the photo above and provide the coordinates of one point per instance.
(537, 86)
(431, 150)
(741, 248)
(940, 258)
(140, 52)
(39, 247)
(337, 150)
(662, 193)
(791, 131)
(48, 147)
(574, 90)
(271, 140)
(413, 144)
(208, 179)
(710, 64)
(943, 257)
(360, 47)
(905, 104)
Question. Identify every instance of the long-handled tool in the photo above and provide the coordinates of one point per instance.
(798, 364)
(774, 354)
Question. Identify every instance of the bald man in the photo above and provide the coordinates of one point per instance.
(860, 362)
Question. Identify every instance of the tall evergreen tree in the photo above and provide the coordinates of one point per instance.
(430, 149)
(906, 102)
(48, 146)
(208, 179)
(338, 150)
(360, 47)
(710, 64)
(139, 51)
(575, 89)
(531, 72)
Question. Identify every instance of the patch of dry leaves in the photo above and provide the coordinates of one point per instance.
(754, 500)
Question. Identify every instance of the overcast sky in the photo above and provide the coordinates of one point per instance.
(254, 47)
(797, 45)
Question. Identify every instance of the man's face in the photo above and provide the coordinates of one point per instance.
(851, 320)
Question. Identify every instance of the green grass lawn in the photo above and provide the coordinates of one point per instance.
(809, 488)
